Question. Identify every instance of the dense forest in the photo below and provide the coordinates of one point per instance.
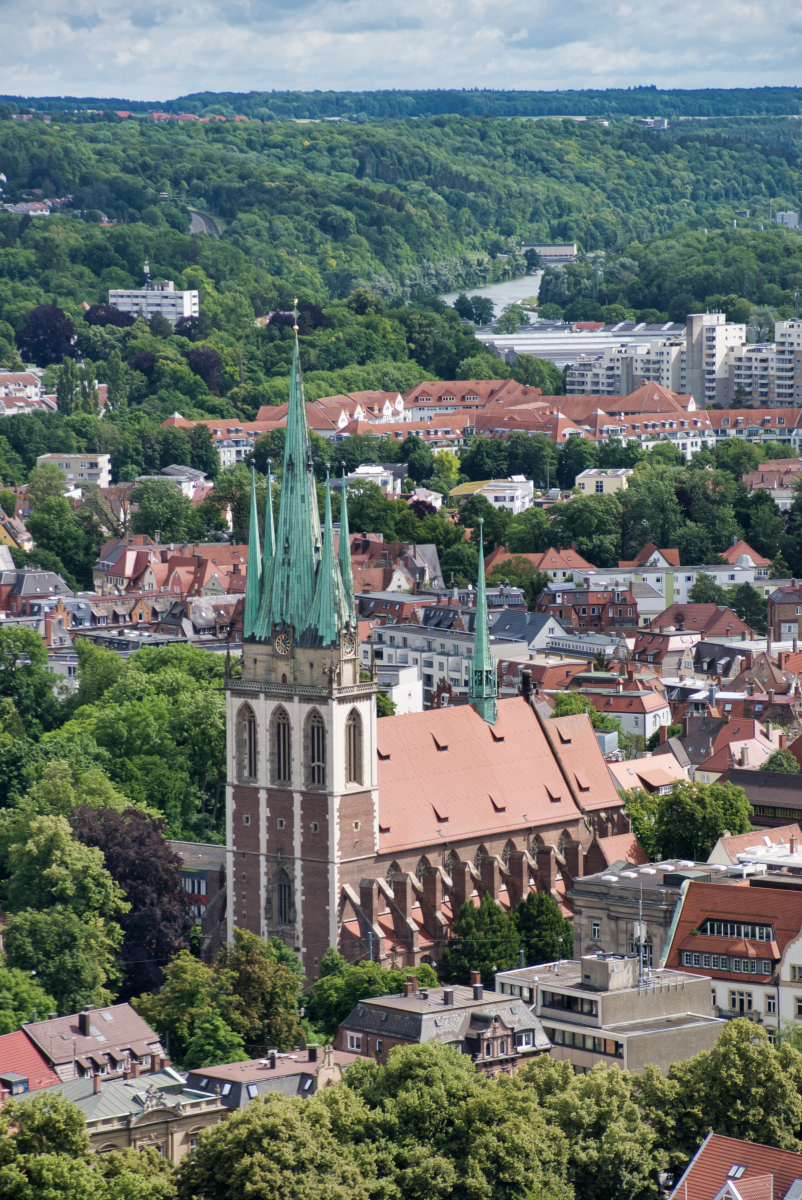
(469, 102)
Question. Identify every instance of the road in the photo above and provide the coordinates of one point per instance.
(201, 223)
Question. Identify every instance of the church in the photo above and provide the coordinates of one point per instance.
(367, 835)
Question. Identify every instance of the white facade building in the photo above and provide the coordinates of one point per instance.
(159, 296)
(81, 469)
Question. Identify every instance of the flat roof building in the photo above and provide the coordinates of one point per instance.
(597, 1010)
(157, 296)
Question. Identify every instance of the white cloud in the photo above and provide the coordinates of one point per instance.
(159, 49)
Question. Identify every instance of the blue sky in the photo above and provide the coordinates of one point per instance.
(158, 49)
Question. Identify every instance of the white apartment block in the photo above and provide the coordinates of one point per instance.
(691, 363)
(81, 469)
(158, 296)
(515, 494)
(708, 337)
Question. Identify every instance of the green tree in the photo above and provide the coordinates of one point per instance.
(44, 483)
(482, 939)
(117, 381)
(706, 591)
(530, 532)
(779, 568)
(692, 817)
(481, 366)
(538, 372)
(203, 452)
(338, 992)
(642, 807)
(577, 455)
(747, 603)
(265, 995)
(213, 1042)
(74, 958)
(546, 936)
(613, 1151)
(745, 1087)
(510, 320)
(783, 762)
(22, 998)
(594, 524)
(75, 537)
(162, 506)
(257, 1152)
(24, 677)
(520, 572)
(190, 992)
(49, 867)
(68, 386)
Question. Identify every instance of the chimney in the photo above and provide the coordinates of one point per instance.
(662, 734)
(796, 645)
(792, 845)
(771, 697)
(84, 1021)
(630, 673)
(526, 686)
(134, 1069)
(410, 985)
(783, 741)
(155, 1064)
(744, 756)
(157, 536)
(165, 1063)
(476, 984)
(97, 1083)
(448, 995)
(312, 1048)
(686, 726)
(271, 1058)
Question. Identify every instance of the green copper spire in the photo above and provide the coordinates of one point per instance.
(484, 685)
(254, 572)
(329, 613)
(287, 595)
(346, 572)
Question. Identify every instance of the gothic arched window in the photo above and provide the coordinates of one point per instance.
(281, 741)
(423, 865)
(451, 862)
(286, 906)
(246, 743)
(509, 849)
(353, 747)
(480, 854)
(316, 732)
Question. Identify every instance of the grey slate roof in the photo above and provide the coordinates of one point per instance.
(121, 1098)
(517, 626)
(767, 787)
(423, 1017)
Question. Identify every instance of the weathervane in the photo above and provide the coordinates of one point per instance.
(295, 313)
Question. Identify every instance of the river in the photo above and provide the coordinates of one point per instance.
(510, 292)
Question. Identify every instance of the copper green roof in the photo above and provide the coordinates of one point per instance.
(289, 589)
(483, 688)
(346, 571)
(254, 573)
(329, 615)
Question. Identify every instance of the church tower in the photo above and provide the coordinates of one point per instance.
(302, 800)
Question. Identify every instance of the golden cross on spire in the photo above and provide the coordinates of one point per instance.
(295, 313)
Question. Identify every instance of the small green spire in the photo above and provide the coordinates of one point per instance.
(288, 592)
(483, 689)
(329, 615)
(346, 571)
(254, 572)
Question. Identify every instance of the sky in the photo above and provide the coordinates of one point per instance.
(161, 49)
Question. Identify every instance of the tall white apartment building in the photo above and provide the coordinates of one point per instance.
(708, 337)
(691, 363)
(157, 296)
(788, 360)
(619, 370)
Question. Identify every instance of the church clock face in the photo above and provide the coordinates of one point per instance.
(282, 643)
(349, 644)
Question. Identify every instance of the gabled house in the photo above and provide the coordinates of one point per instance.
(725, 1168)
